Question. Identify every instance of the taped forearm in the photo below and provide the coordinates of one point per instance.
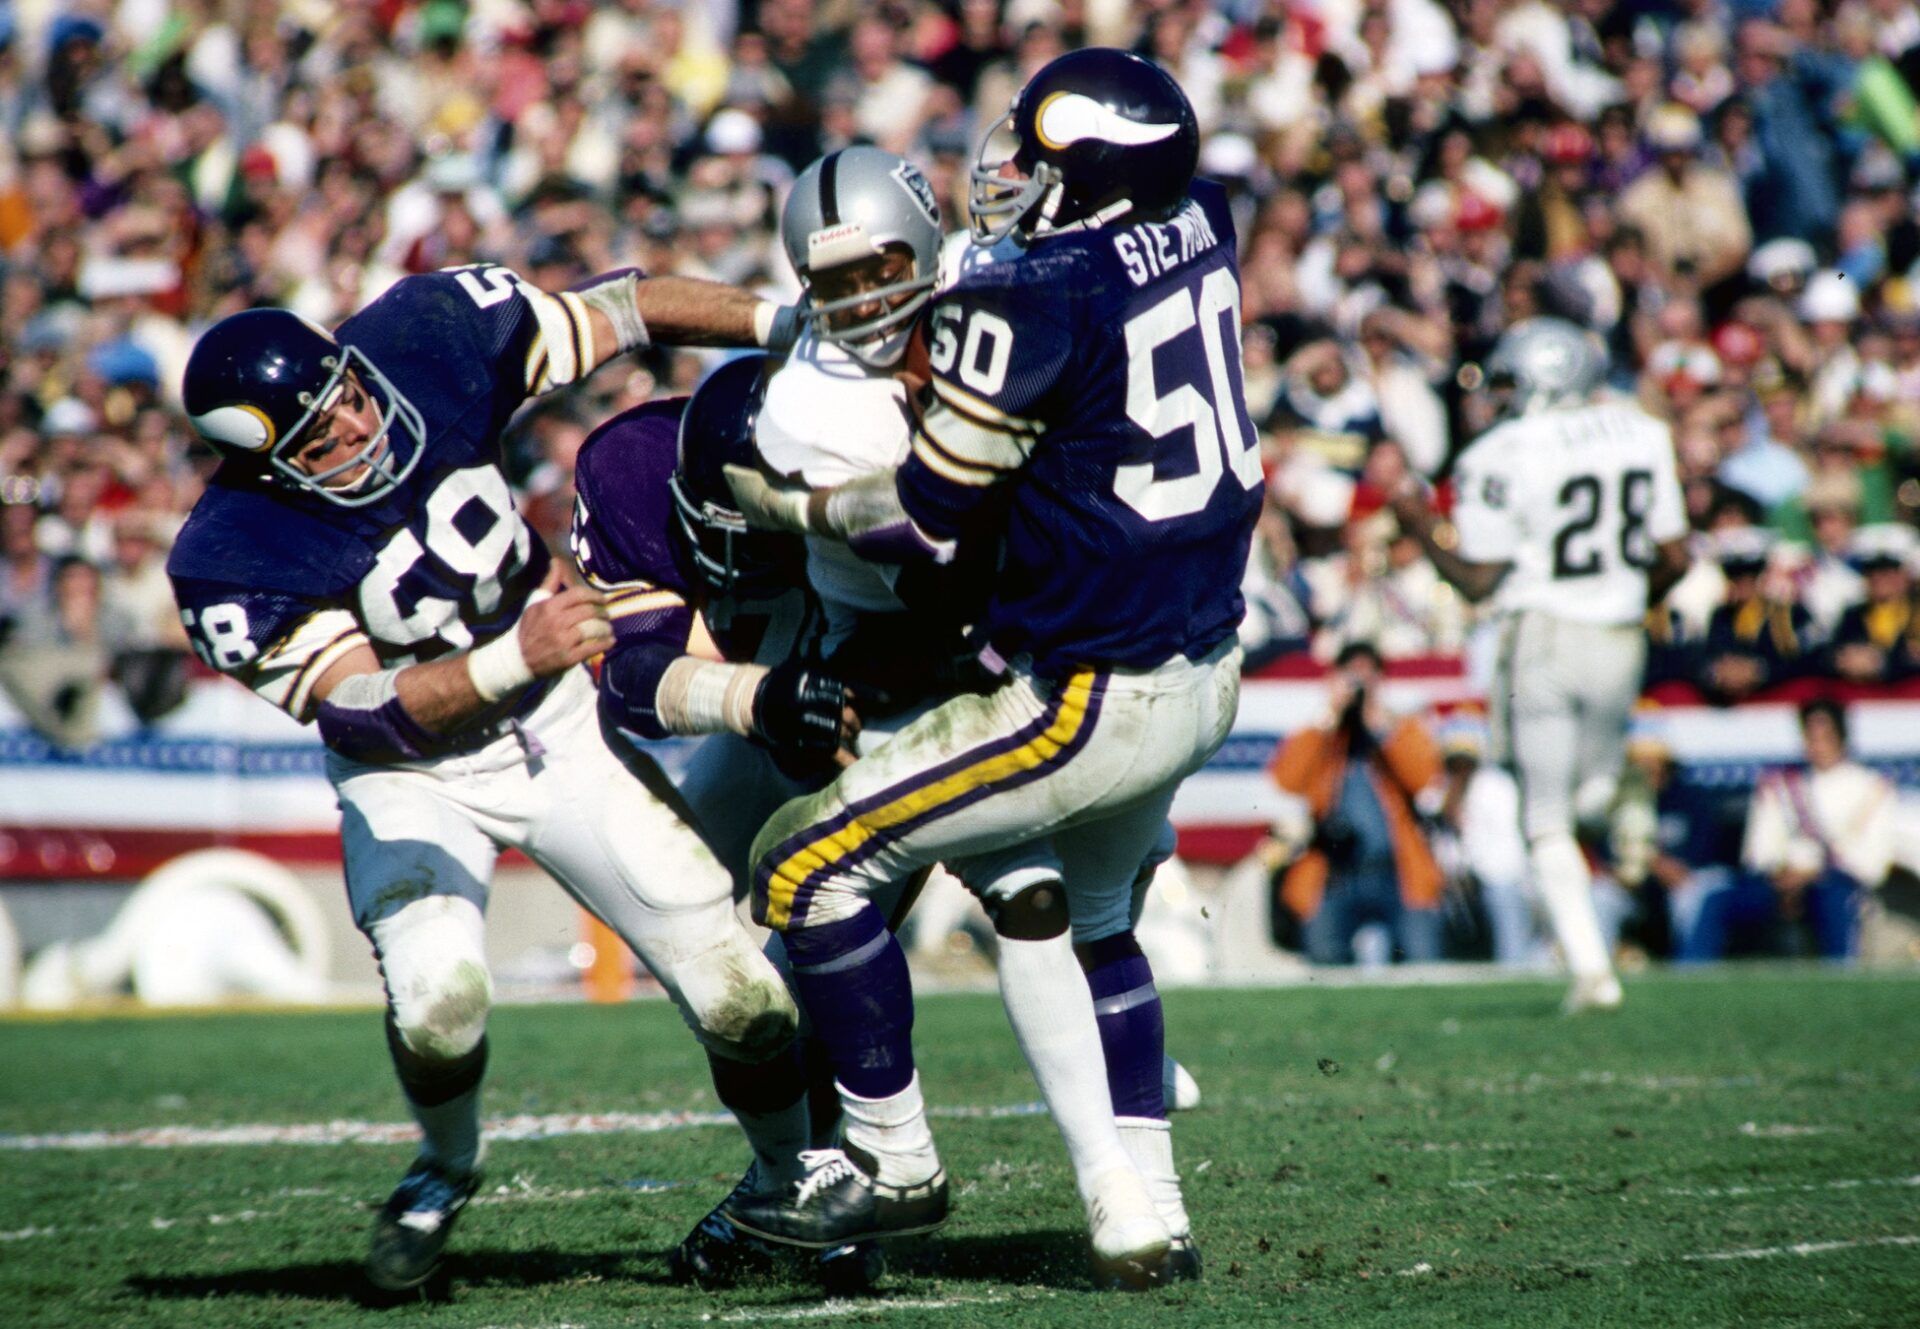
(708, 697)
(615, 294)
(653, 689)
(364, 719)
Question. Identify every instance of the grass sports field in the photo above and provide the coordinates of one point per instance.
(1729, 1149)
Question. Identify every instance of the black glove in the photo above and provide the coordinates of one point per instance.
(798, 706)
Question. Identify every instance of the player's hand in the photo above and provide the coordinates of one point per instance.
(799, 706)
(1408, 498)
(765, 505)
(567, 628)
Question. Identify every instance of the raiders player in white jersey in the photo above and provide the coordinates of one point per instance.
(1569, 518)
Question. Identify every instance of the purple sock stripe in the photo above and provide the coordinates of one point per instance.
(803, 894)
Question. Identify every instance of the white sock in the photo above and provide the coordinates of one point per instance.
(777, 1139)
(1567, 888)
(894, 1132)
(451, 1132)
(1051, 1009)
(1149, 1143)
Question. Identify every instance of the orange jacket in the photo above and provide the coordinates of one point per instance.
(1313, 762)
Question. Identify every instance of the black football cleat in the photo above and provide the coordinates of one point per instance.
(851, 1271)
(716, 1253)
(412, 1228)
(1183, 1261)
(837, 1204)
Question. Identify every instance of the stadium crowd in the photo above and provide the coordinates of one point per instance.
(1719, 190)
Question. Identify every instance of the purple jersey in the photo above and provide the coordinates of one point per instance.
(276, 585)
(628, 544)
(623, 525)
(1093, 382)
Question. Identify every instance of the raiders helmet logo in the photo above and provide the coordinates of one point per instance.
(922, 190)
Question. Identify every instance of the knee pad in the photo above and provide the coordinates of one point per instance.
(438, 987)
(1031, 910)
(736, 1002)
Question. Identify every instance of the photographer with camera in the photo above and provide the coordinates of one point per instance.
(1357, 852)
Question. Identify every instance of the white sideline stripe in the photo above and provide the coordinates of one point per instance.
(524, 1127)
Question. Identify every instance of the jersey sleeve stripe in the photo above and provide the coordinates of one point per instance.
(937, 461)
(982, 411)
(949, 455)
(642, 602)
(558, 339)
(581, 325)
(316, 668)
(634, 586)
(975, 446)
(537, 367)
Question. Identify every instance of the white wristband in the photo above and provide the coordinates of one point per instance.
(764, 314)
(499, 668)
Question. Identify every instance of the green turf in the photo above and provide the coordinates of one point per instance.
(1534, 1170)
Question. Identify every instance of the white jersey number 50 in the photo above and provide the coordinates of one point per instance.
(1223, 439)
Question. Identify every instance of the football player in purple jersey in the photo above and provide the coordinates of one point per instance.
(358, 560)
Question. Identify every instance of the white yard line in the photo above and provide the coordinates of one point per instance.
(1800, 1249)
(1803, 1248)
(523, 1127)
(1840, 1184)
(1690, 1192)
(837, 1308)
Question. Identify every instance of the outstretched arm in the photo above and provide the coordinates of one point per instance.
(1670, 563)
(1475, 581)
(625, 311)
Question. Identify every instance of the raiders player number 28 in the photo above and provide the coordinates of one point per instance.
(1569, 517)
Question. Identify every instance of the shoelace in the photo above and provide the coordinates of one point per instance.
(825, 1167)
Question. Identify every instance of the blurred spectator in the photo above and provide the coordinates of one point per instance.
(54, 656)
(1876, 640)
(1362, 855)
(1755, 639)
(140, 627)
(1278, 621)
(1478, 842)
(1816, 841)
(1397, 601)
(1767, 465)
(1326, 409)
(1669, 843)
(1828, 582)
(1690, 213)
(1796, 192)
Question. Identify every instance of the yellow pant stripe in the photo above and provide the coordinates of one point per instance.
(832, 848)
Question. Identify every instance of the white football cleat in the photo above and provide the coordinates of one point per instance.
(1130, 1239)
(1593, 992)
(1178, 1090)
